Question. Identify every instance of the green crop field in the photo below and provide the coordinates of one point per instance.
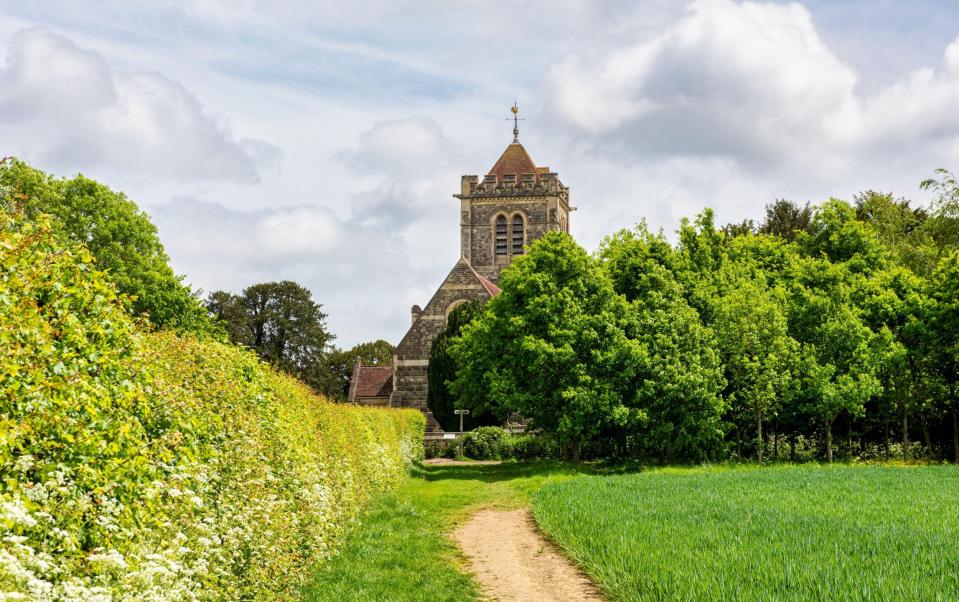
(791, 533)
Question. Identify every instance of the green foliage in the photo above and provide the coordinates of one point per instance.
(532, 447)
(786, 219)
(163, 467)
(943, 221)
(120, 237)
(829, 318)
(677, 374)
(759, 355)
(761, 534)
(551, 347)
(486, 443)
(281, 323)
(442, 370)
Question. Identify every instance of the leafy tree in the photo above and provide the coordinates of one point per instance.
(552, 347)
(758, 353)
(281, 323)
(786, 219)
(339, 364)
(442, 370)
(900, 227)
(123, 241)
(701, 254)
(839, 353)
(677, 375)
(230, 313)
(942, 224)
(837, 235)
(944, 331)
(743, 228)
(943, 219)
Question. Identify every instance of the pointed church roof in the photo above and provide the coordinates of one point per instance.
(515, 161)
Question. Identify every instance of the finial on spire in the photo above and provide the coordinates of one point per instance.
(516, 120)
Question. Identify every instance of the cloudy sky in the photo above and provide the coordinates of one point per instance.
(322, 141)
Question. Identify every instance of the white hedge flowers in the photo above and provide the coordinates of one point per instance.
(150, 466)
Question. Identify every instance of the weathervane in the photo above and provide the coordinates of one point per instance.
(516, 120)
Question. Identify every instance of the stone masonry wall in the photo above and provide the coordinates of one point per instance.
(411, 358)
(478, 228)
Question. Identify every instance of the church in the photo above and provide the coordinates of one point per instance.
(515, 203)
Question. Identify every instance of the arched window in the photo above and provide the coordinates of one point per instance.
(453, 306)
(501, 237)
(519, 234)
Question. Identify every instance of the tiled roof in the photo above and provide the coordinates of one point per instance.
(515, 161)
(372, 381)
(491, 288)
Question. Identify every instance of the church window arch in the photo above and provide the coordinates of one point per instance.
(518, 234)
(502, 236)
(452, 306)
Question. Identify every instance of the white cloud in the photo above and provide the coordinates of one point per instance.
(404, 148)
(298, 231)
(65, 108)
(360, 274)
(754, 82)
(646, 109)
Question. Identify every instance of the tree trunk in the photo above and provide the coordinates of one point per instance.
(776, 440)
(829, 442)
(849, 441)
(576, 452)
(930, 452)
(955, 435)
(759, 436)
(905, 432)
(739, 445)
(885, 442)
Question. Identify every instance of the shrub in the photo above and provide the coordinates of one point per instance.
(150, 466)
(435, 449)
(485, 443)
(532, 447)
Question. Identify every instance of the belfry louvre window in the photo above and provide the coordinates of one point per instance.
(518, 235)
(501, 235)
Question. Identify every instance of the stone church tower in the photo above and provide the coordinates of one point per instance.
(515, 203)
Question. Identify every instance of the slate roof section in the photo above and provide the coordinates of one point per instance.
(371, 382)
(515, 161)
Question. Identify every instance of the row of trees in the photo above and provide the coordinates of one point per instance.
(840, 318)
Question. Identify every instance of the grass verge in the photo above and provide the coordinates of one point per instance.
(401, 552)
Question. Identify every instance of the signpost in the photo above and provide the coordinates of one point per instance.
(461, 413)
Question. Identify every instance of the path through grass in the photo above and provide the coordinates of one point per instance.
(401, 552)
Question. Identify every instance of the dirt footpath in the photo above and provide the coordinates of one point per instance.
(448, 462)
(513, 562)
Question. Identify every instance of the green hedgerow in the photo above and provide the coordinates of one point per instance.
(150, 466)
